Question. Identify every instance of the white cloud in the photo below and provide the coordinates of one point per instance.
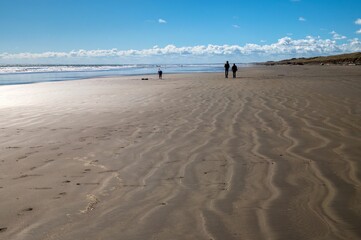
(263, 41)
(337, 36)
(302, 19)
(358, 31)
(162, 20)
(358, 21)
(236, 26)
(285, 47)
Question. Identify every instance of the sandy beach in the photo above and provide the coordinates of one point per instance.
(272, 154)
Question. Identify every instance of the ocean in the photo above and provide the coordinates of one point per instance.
(24, 74)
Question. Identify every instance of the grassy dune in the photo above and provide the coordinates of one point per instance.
(344, 59)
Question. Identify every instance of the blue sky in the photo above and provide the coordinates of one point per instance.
(169, 31)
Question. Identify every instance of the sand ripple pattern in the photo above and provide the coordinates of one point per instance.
(274, 154)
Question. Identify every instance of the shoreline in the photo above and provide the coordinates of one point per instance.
(272, 154)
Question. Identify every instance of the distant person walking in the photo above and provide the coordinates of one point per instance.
(234, 70)
(226, 69)
(160, 73)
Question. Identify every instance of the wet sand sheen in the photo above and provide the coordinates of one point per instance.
(273, 154)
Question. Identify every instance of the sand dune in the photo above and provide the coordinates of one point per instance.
(273, 154)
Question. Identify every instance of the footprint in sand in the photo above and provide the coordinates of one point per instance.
(28, 209)
(3, 229)
(27, 175)
(22, 157)
(12, 147)
(60, 195)
(42, 188)
(36, 146)
(25, 210)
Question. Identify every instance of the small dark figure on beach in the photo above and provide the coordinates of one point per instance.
(226, 69)
(234, 70)
(160, 73)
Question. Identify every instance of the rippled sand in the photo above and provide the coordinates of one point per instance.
(273, 154)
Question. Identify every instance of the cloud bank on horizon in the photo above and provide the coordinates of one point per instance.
(283, 48)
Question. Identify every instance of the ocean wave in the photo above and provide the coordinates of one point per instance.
(11, 69)
(8, 69)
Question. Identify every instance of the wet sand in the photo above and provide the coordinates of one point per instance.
(273, 154)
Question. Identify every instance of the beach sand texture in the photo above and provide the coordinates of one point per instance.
(273, 154)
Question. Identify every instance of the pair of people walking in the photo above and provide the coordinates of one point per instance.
(226, 69)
